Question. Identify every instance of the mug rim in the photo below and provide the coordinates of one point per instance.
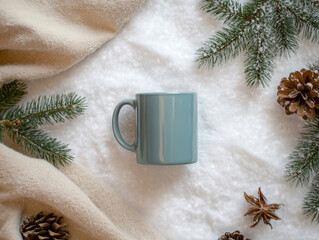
(165, 93)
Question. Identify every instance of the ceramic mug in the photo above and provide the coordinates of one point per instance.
(166, 128)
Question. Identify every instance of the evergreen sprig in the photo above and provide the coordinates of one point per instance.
(311, 203)
(228, 11)
(11, 94)
(304, 160)
(314, 66)
(263, 29)
(22, 122)
(39, 143)
(47, 110)
(303, 168)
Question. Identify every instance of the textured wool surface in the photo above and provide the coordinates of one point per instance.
(90, 209)
(244, 135)
(42, 38)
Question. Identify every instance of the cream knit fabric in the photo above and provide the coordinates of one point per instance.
(91, 209)
(44, 37)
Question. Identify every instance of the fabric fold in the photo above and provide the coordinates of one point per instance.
(42, 38)
(90, 209)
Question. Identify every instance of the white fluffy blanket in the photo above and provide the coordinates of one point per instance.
(244, 136)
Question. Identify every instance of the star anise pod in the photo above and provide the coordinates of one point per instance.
(260, 209)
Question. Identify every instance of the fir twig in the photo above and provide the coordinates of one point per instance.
(228, 11)
(306, 20)
(21, 123)
(311, 203)
(221, 47)
(304, 161)
(259, 55)
(11, 94)
(38, 143)
(284, 32)
(278, 25)
(48, 110)
(314, 66)
(311, 2)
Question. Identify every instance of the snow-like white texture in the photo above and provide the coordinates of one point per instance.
(244, 135)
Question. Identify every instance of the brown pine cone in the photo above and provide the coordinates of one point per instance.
(300, 93)
(44, 227)
(232, 236)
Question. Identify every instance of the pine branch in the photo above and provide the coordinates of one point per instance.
(253, 8)
(259, 55)
(310, 4)
(311, 203)
(229, 11)
(38, 143)
(21, 122)
(304, 161)
(281, 23)
(283, 28)
(11, 94)
(47, 110)
(224, 45)
(259, 65)
(314, 66)
(306, 19)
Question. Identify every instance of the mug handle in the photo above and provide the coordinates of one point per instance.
(115, 124)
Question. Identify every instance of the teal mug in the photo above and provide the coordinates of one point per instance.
(166, 128)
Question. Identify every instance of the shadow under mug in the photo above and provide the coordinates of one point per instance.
(166, 128)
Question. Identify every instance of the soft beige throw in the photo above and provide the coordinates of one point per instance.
(91, 210)
(44, 37)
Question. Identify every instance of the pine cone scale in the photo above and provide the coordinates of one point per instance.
(287, 93)
(301, 111)
(308, 75)
(313, 94)
(294, 105)
(44, 238)
(297, 75)
(310, 103)
(44, 227)
(285, 83)
(30, 227)
(236, 235)
(311, 113)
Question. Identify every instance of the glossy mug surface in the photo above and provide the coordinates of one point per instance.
(166, 128)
